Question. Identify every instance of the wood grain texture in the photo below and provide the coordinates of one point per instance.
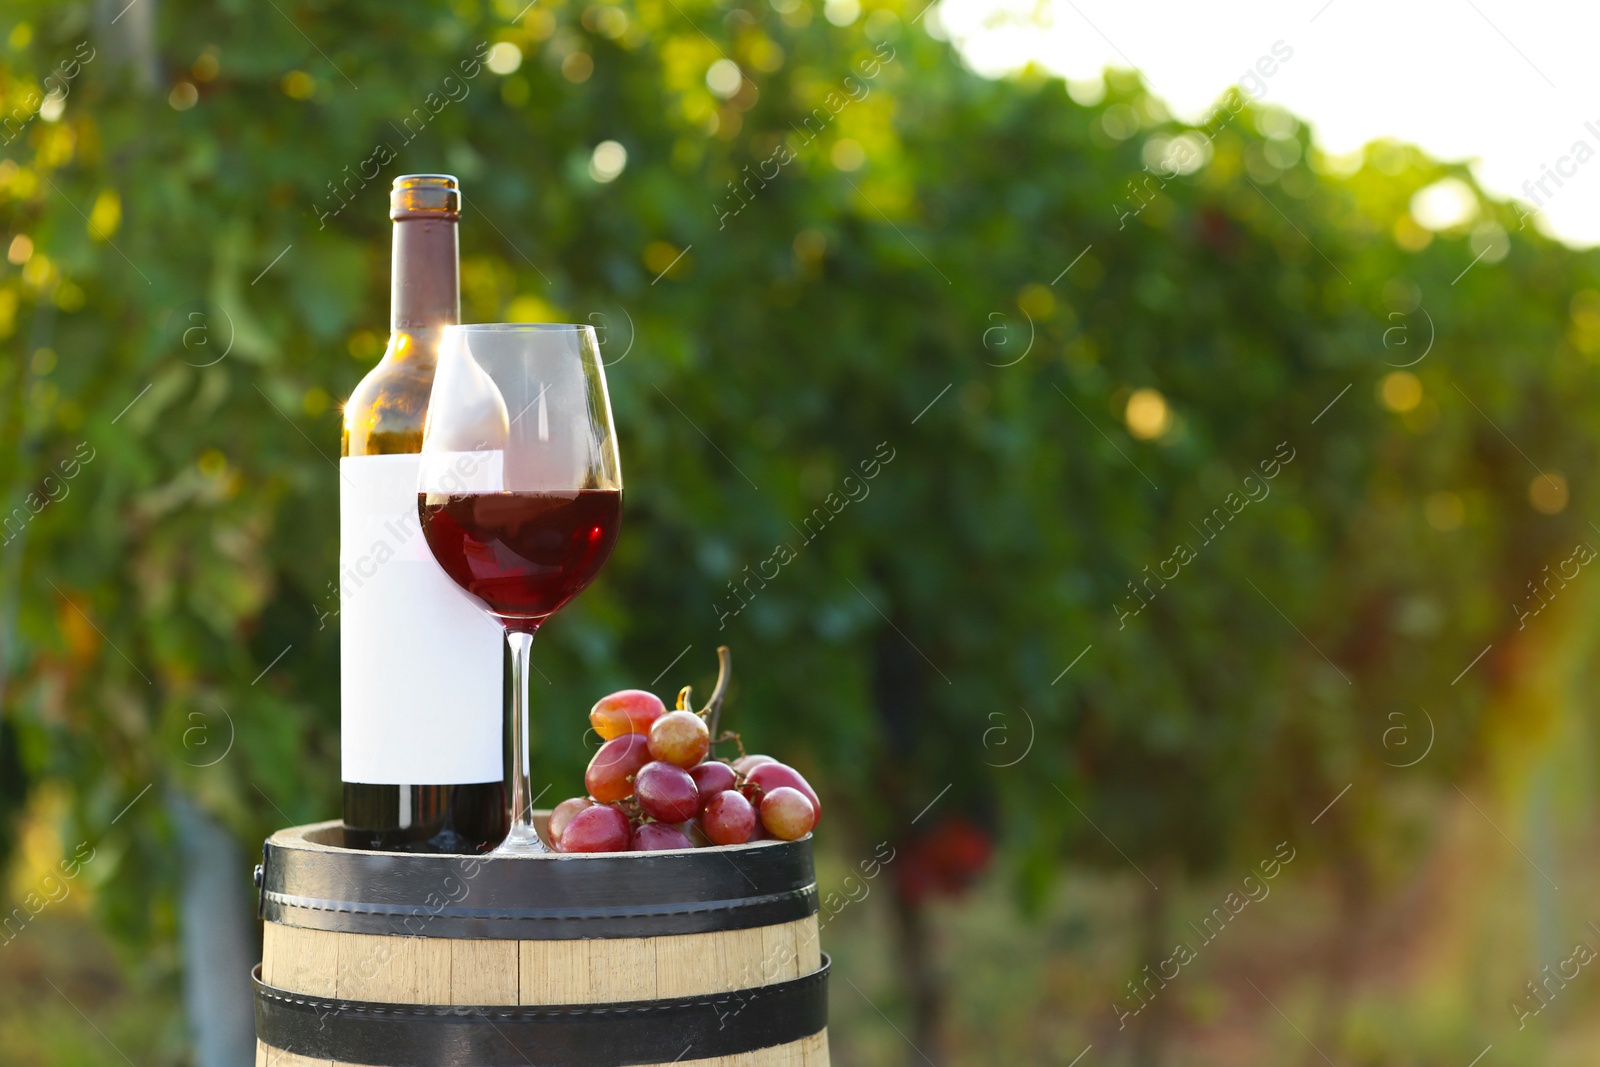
(551, 970)
(301, 961)
(815, 1049)
(483, 972)
(622, 969)
(430, 970)
(807, 1052)
(394, 970)
(808, 940)
(780, 959)
(267, 1056)
(704, 963)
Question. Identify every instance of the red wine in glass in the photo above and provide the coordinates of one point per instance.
(520, 494)
(523, 555)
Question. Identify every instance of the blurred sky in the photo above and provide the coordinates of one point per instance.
(1510, 85)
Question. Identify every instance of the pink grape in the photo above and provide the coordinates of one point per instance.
(711, 778)
(562, 815)
(728, 818)
(787, 813)
(629, 711)
(653, 836)
(609, 770)
(601, 828)
(681, 738)
(666, 792)
(746, 764)
(769, 776)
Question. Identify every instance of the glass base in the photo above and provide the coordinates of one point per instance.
(521, 841)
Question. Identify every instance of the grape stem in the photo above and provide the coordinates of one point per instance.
(730, 735)
(713, 709)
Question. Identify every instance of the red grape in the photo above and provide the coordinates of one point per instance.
(562, 815)
(728, 818)
(666, 792)
(680, 737)
(746, 764)
(769, 776)
(630, 711)
(653, 836)
(601, 828)
(787, 813)
(609, 770)
(710, 778)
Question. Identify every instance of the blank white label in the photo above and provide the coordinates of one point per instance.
(420, 662)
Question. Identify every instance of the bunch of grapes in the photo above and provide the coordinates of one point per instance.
(654, 783)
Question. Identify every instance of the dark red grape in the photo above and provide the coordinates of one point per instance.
(609, 770)
(787, 813)
(769, 776)
(746, 764)
(601, 828)
(666, 792)
(681, 738)
(728, 818)
(562, 815)
(710, 778)
(653, 836)
(630, 711)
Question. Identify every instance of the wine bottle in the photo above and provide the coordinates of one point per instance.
(421, 668)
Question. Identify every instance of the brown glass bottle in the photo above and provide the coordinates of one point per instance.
(421, 685)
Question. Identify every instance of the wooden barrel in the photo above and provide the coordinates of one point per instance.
(700, 958)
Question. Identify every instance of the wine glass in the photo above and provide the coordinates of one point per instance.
(520, 491)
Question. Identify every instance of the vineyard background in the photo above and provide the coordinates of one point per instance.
(1227, 504)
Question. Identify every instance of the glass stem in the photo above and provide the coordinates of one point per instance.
(523, 836)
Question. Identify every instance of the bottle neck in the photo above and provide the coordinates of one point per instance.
(425, 288)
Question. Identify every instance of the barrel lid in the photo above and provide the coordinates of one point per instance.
(309, 880)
